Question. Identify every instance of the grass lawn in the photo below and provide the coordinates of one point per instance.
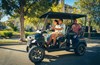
(2, 41)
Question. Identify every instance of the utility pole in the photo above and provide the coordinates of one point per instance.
(63, 4)
(63, 1)
(89, 28)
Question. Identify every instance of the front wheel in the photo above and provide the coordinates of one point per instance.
(27, 49)
(80, 49)
(36, 54)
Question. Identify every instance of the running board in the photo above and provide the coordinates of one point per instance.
(58, 49)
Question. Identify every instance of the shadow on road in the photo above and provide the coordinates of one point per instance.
(13, 49)
(92, 57)
(65, 59)
(11, 44)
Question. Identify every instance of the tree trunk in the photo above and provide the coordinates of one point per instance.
(89, 31)
(22, 33)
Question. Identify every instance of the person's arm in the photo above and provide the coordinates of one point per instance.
(80, 29)
(72, 28)
(61, 27)
(57, 28)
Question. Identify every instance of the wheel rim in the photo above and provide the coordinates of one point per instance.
(81, 50)
(37, 55)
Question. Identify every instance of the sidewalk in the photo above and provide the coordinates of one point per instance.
(17, 42)
(92, 40)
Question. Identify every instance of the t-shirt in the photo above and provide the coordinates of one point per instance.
(64, 28)
(57, 26)
(76, 28)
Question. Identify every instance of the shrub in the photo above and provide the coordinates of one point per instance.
(97, 35)
(86, 35)
(16, 33)
(8, 29)
(15, 28)
(2, 34)
(92, 34)
(29, 33)
(8, 34)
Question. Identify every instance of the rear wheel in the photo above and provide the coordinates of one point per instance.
(80, 49)
(36, 54)
(27, 48)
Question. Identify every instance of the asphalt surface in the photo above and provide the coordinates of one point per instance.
(16, 55)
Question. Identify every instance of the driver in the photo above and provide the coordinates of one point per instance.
(60, 31)
(76, 28)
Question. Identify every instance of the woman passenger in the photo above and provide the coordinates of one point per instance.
(55, 33)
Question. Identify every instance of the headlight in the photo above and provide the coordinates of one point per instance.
(31, 37)
(33, 41)
(38, 31)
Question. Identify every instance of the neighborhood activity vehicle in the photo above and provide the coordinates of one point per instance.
(36, 45)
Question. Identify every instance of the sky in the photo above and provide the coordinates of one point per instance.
(5, 18)
(69, 2)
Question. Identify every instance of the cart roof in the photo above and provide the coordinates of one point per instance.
(60, 15)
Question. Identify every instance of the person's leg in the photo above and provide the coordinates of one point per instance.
(62, 39)
(54, 38)
(75, 41)
(68, 40)
(51, 37)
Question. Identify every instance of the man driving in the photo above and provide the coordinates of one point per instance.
(75, 28)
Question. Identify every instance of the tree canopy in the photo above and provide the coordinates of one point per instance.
(91, 8)
(23, 8)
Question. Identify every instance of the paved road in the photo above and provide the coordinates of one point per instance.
(16, 55)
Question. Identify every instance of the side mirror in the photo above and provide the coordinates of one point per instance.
(38, 31)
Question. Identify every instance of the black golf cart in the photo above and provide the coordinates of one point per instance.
(36, 44)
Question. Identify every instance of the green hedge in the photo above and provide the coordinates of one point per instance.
(9, 34)
(29, 33)
(92, 34)
(6, 34)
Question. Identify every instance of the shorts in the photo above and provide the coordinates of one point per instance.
(57, 34)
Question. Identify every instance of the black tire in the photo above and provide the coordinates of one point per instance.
(36, 54)
(27, 49)
(80, 49)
